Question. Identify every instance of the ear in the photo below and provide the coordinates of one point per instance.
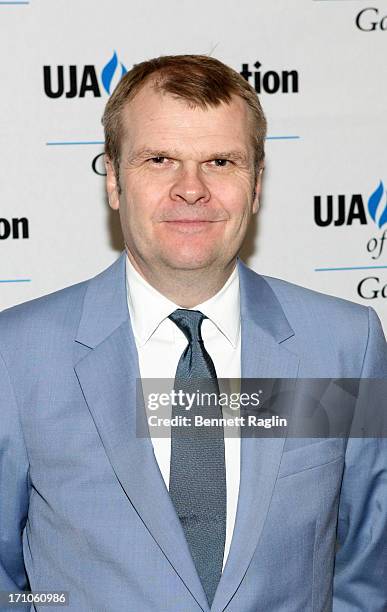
(257, 190)
(111, 185)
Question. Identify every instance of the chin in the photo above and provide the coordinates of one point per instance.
(189, 261)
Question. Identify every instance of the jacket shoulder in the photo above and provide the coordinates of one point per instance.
(320, 318)
(331, 334)
(313, 304)
(60, 309)
(54, 313)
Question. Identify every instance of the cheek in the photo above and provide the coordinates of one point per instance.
(137, 205)
(235, 198)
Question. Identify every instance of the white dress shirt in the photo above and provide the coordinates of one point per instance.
(160, 344)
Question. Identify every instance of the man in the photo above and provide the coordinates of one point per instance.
(121, 522)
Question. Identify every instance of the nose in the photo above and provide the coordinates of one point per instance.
(189, 186)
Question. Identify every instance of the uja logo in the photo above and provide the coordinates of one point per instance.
(345, 210)
(271, 81)
(75, 81)
(369, 20)
(375, 206)
(15, 228)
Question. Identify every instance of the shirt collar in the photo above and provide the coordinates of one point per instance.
(223, 309)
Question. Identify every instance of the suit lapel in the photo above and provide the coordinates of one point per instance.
(107, 373)
(107, 369)
(265, 331)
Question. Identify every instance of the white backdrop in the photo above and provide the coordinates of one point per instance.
(327, 133)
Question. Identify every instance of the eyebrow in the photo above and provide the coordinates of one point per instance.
(145, 153)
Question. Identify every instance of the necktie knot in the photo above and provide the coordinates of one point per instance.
(189, 322)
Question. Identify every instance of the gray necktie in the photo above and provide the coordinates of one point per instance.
(197, 474)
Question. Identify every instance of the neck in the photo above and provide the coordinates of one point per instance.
(186, 288)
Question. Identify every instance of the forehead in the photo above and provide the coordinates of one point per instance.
(155, 118)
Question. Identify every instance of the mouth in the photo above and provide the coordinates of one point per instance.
(190, 225)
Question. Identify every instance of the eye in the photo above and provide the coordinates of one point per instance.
(158, 160)
(221, 163)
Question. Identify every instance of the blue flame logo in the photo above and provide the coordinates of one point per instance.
(375, 207)
(109, 70)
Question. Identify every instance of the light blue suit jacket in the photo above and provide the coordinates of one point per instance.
(83, 505)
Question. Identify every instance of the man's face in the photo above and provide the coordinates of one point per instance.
(188, 187)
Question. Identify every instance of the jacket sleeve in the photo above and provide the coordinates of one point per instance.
(14, 492)
(360, 577)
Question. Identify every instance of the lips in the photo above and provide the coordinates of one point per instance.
(192, 220)
(189, 225)
(189, 221)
